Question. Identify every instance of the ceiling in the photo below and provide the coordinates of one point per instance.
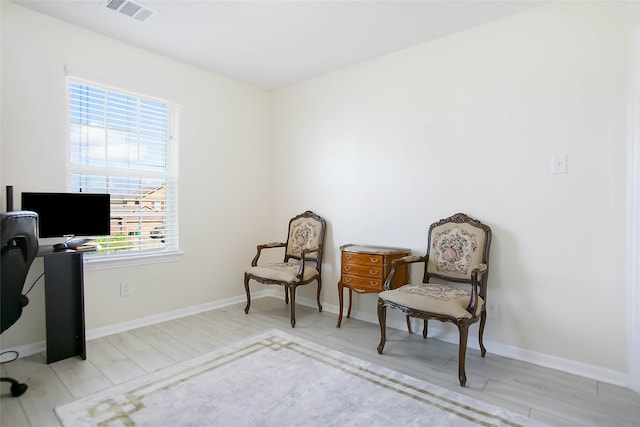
(271, 44)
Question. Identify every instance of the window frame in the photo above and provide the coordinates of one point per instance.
(171, 251)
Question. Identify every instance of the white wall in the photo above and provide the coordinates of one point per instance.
(468, 123)
(382, 149)
(224, 138)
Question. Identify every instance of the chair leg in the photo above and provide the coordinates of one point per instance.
(382, 320)
(462, 353)
(293, 304)
(483, 319)
(286, 295)
(17, 389)
(318, 295)
(246, 288)
(340, 303)
(424, 329)
(409, 325)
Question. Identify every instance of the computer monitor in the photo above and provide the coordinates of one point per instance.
(70, 214)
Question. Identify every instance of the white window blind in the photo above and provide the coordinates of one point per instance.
(124, 144)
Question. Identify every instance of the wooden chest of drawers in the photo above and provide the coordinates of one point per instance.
(365, 268)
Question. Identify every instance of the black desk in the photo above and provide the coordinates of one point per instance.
(64, 304)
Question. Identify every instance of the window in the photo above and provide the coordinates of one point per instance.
(124, 144)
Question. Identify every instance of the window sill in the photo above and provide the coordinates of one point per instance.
(117, 261)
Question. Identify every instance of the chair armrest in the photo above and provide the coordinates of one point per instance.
(272, 245)
(303, 256)
(477, 278)
(409, 259)
(309, 250)
(479, 269)
(259, 248)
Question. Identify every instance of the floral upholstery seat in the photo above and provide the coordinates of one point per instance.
(302, 260)
(458, 259)
(439, 299)
(283, 271)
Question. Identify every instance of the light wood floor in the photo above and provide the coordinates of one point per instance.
(554, 397)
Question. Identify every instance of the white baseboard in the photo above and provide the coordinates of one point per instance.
(169, 315)
(91, 334)
(436, 331)
(548, 361)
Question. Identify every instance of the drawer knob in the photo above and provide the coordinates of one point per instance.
(373, 271)
(348, 256)
(347, 279)
(373, 283)
(375, 259)
(347, 268)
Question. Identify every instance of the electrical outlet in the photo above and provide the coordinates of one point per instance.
(125, 288)
(492, 310)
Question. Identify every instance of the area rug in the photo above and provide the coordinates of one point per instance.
(277, 379)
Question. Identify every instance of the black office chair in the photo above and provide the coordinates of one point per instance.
(19, 248)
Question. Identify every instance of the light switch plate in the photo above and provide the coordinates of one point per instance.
(559, 163)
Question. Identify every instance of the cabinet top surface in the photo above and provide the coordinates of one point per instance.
(372, 249)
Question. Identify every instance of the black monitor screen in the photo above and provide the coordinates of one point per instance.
(70, 214)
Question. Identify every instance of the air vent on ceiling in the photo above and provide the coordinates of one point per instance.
(131, 9)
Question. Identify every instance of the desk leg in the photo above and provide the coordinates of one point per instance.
(64, 306)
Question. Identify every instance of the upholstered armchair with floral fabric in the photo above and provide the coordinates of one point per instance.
(458, 259)
(301, 264)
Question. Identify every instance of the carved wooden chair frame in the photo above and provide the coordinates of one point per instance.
(477, 279)
(304, 257)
